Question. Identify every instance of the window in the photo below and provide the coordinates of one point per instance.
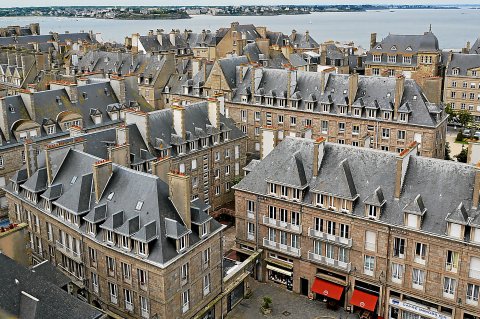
(308, 122)
(407, 60)
(128, 299)
(399, 247)
(474, 268)
(295, 218)
(280, 119)
(403, 117)
(94, 278)
(194, 164)
(355, 129)
(126, 271)
(418, 278)
(185, 301)
(92, 253)
(284, 191)
(293, 120)
(392, 59)
(272, 234)
(331, 227)
(243, 115)
(377, 58)
(449, 285)
(472, 294)
(295, 241)
(341, 127)
(385, 133)
(142, 278)
(329, 251)
(369, 265)
(217, 190)
(344, 231)
(206, 257)
(324, 127)
(111, 266)
(317, 247)
(184, 273)
(372, 211)
(113, 292)
(397, 272)
(454, 71)
(401, 135)
(144, 306)
(206, 284)
(250, 231)
(273, 189)
(420, 253)
(370, 240)
(268, 120)
(452, 261)
(257, 116)
(182, 243)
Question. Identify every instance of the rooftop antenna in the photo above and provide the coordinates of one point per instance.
(430, 30)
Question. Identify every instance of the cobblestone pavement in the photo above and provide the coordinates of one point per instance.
(286, 305)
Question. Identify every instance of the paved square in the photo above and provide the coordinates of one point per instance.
(285, 305)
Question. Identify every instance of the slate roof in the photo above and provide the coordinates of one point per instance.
(377, 92)
(50, 273)
(442, 185)
(53, 301)
(462, 62)
(396, 43)
(475, 49)
(303, 41)
(112, 212)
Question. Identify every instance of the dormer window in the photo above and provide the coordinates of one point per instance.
(320, 200)
(392, 59)
(372, 113)
(91, 229)
(296, 194)
(281, 102)
(387, 115)
(326, 108)
(110, 237)
(455, 71)
(294, 104)
(50, 129)
(412, 221)
(59, 101)
(394, 48)
(310, 106)
(244, 99)
(273, 189)
(357, 112)
(403, 117)
(73, 180)
(455, 230)
(142, 249)
(284, 191)
(331, 203)
(48, 205)
(126, 242)
(204, 229)
(373, 211)
(344, 206)
(182, 243)
(204, 142)
(343, 110)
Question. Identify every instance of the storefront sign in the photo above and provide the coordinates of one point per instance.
(421, 310)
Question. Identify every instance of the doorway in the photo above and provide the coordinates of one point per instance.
(304, 286)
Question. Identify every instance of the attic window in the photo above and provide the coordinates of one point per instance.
(379, 47)
(74, 178)
(110, 196)
(85, 96)
(408, 48)
(11, 108)
(394, 48)
(139, 205)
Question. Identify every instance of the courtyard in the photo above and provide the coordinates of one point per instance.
(286, 304)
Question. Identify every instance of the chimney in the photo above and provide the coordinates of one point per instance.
(179, 120)
(75, 131)
(140, 119)
(268, 141)
(468, 47)
(28, 306)
(402, 166)
(120, 152)
(373, 40)
(172, 36)
(118, 86)
(161, 168)
(476, 187)
(160, 36)
(30, 157)
(322, 82)
(214, 112)
(122, 135)
(196, 65)
(352, 88)
(150, 32)
(102, 171)
(307, 36)
(179, 190)
(399, 87)
(318, 151)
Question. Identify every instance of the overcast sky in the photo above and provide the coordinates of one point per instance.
(20, 3)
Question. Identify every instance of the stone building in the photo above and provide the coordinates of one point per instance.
(400, 244)
(135, 245)
(16, 30)
(414, 56)
(49, 115)
(462, 83)
(378, 112)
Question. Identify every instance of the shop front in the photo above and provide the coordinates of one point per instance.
(280, 276)
(364, 303)
(330, 292)
(406, 309)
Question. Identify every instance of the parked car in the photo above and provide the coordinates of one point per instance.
(477, 135)
(467, 132)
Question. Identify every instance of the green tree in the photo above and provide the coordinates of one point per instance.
(450, 111)
(462, 156)
(459, 137)
(464, 117)
(447, 156)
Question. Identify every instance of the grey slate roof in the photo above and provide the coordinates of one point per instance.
(397, 43)
(52, 274)
(475, 49)
(37, 182)
(53, 301)
(129, 187)
(442, 185)
(463, 63)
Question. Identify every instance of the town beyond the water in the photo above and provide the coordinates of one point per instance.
(237, 173)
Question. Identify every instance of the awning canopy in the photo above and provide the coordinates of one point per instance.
(327, 289)
(279, 270)
(363, 300)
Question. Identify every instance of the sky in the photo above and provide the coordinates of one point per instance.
(22, 3)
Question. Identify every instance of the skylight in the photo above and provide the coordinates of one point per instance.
(110, 196)
(139, 205)
(74, 178)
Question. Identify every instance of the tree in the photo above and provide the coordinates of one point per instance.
(462, 156)
(450, 111)
(464, 117)
(447, 156)
(459, 137)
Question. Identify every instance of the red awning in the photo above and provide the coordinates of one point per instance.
(363, 300)
(327, 289)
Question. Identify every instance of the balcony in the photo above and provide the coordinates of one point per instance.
(347, 242)
(206, 290)
(319, 259)
(67, 251)
(285, 249)
(128, 306)
(145, 313)
(185, 307)
(250, 236)
(282, 225)
(113, 299)
(451, 267)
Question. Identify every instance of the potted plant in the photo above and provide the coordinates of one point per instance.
(266, 307)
